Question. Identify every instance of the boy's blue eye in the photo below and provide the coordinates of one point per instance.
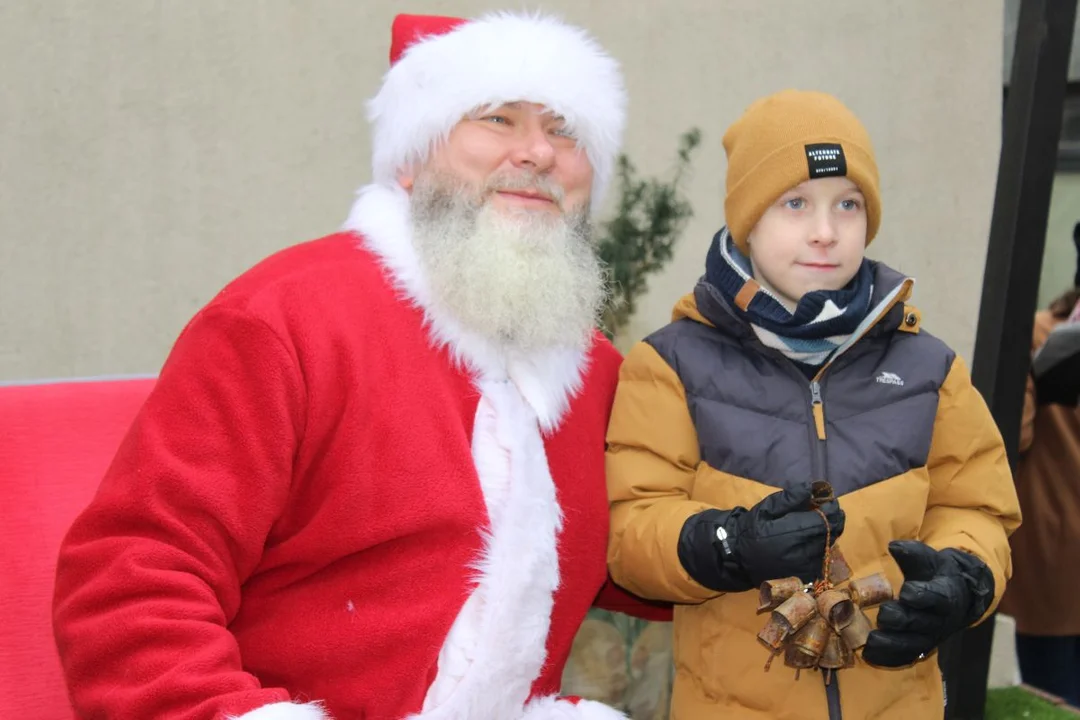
(795, 203)
(849, 204)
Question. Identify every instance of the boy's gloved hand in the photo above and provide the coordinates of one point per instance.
(779, 537)
(944, 591)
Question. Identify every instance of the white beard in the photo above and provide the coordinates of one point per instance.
(525, 280)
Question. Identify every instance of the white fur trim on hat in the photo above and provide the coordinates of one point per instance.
(497, 59)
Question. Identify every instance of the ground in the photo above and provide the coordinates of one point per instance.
(1016, 703)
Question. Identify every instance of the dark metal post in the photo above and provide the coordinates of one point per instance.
(1033, 116)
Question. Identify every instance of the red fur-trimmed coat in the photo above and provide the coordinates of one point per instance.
(319, 513)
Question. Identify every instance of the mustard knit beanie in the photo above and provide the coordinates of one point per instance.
(788, 138)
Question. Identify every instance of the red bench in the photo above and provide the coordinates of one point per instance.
(56, 441)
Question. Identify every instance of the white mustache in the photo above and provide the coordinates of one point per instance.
(527, 182)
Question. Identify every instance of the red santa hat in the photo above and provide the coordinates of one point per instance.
(443, 68)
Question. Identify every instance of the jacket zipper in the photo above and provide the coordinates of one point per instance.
(821, 464)
(819, 458)
(832, 695)
(817, 408)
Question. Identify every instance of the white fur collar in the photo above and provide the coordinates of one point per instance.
(547, 380)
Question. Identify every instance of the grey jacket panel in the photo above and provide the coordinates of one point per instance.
(752, 410)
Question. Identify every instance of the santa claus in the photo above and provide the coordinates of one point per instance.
(369, 481)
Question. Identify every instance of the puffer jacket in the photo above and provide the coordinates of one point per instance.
(705, 416)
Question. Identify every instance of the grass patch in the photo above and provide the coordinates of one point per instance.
(1015, 703)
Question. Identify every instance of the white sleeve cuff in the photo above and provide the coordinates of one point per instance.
(285, 711)
(552, 708)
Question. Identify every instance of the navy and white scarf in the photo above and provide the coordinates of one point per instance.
(823, 321)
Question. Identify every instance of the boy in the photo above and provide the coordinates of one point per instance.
(796, 359)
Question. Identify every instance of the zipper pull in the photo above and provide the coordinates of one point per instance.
(818, 407)
(722, 536)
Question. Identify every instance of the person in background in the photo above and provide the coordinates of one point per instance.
(1044, 595)
(1055, 365)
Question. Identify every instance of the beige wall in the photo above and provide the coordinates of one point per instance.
(151, 151)
(1059, 257)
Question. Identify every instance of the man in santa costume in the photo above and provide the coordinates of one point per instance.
(369, 482)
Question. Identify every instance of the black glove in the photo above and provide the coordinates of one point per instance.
(779, 537)
(944, 591)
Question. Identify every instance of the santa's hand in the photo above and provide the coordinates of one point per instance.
(944, 591)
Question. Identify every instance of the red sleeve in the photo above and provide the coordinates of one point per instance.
(149, 575)
(616, 599)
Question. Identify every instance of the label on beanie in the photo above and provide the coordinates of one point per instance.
(826, 160)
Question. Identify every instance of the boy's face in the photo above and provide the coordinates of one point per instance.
(812, 238)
